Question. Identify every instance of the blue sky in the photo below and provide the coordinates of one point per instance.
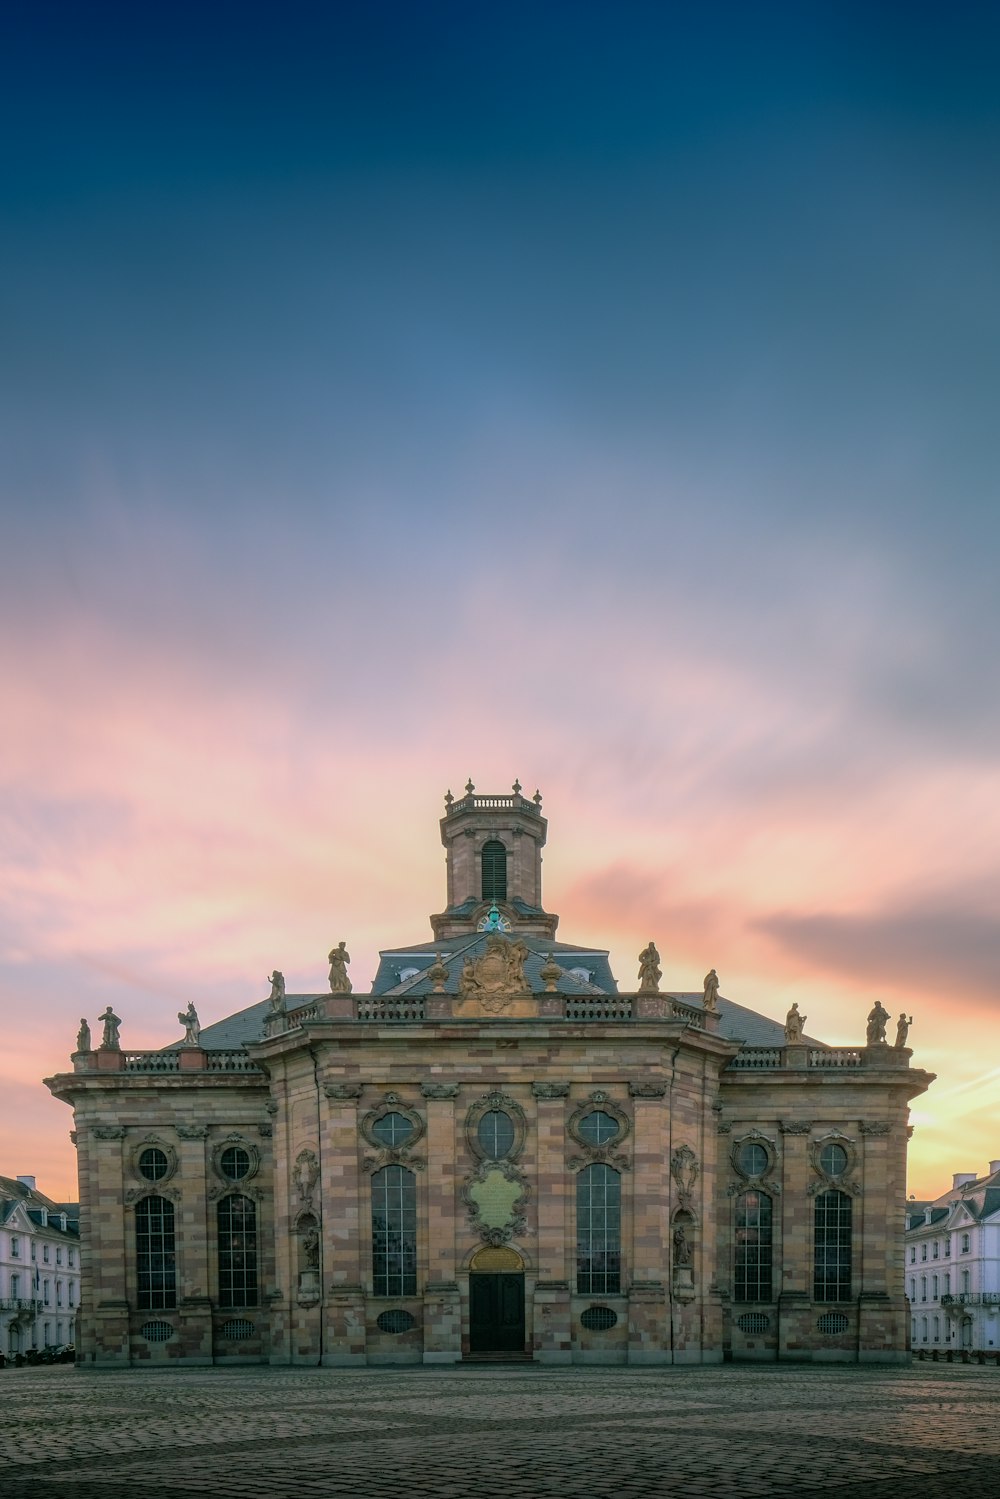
(600, 395)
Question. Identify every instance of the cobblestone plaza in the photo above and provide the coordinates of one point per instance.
(527, 1431)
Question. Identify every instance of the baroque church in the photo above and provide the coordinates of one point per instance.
(495, 1153)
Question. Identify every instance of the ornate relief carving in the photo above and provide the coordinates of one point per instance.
(684, 1169)
(876, 1127)
(550, 1090)
(440, 1090)
(109, 1132)
(152, 1142)
(392, 1155)
(193, 1131)
(271, 1106)
(152, 1189)
(495, 1196)
(723, 1129)
(235, 1184)
(607, 1153)
(485, 1105)
(497, 977)
(682, 1255)
(343, 1091)
(647, 1090)
(824, 1180)
(795, 1126)
(265, 1131)
(305, 1175)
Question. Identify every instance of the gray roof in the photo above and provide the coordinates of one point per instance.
(14, 1193)
(454, 950)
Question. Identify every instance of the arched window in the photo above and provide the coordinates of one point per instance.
(494, 870)
(752, 1278)
(394, 1232)
(598, 1231)
(237, 1217)
(832, 1247)
(156, 1275)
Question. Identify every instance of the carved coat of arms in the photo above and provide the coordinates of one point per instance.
(497, 976)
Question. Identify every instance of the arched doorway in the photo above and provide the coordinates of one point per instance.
(496, 1300)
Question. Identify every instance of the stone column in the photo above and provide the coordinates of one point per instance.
(110, 1225)
(793, 1266)
(196, 1239)
(881, 1303)
(648, 1342)
(344, 1227)
(442, 1301)
(556, 1233)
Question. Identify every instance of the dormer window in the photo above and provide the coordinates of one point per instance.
(405, 974)
(494, 870)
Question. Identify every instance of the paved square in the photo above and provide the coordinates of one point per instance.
(929, 1430)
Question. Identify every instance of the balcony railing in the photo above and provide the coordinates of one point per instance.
(20, 1304)
(598, 1007)
(972, 1298)
(151, 1061)
(390, 1011)
(232, 1060)
(494, 804)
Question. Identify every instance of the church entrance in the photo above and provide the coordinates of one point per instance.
(496, 1301)
(496, 1313)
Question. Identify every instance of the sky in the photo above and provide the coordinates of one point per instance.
(600, 395)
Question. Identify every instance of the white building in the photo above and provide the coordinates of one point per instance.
(39, 1268)
(952, 1251)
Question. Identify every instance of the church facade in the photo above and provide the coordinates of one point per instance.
(495, 1153)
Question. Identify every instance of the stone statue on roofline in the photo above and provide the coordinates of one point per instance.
(649, 970)
(903, 1029)
(192, 1028)
(83, 1035)
(878, 1018)
(710, 994)
(793, 1025)
(277, 995)
(339, 958)
(110, 1039)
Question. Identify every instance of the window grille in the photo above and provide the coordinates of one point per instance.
(832, 1247)
(598, 1230)
(753, 1322)
(597, 1128)
(394, 1321)
(394, 1232)
(235, 1163)
(833, 1160)
(833, 1322)
(153, 1165)
(392, 1129)
(494, 870)
(156, 1276)
(238, 1330)
(496, 1134)
(237, 1219)
(156, 1332)
(752, 1158)
(752, 1278)
(598, 1318)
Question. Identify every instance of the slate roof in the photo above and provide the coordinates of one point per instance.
(14, 1194)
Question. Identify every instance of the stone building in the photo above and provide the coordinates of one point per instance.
(952, 1256)
(493, 1152)
(39, 1268)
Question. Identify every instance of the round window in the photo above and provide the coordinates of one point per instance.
(598, 1128)
(598, 1318)
(235, 1163)
(496, 1134)
(153, 1164)
(833, 1160)
(397, 1320)
(752, 1159)
(392, 1129)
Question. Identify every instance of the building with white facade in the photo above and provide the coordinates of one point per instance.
(39, 1268)
(952, 1265)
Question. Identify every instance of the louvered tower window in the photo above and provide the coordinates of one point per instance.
(494, 870)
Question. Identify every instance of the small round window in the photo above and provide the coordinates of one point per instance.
(833, 1160)
(153, 1164)
(598, 1128)
(235, 1163)
(392, 1129)
(496, 1134)
(752, 1159)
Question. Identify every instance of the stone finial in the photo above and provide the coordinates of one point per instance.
(550, 973)
(83, 1036)
(338, 958)
(438, 974)
(110, 1040)
(537, 798)
(192, 1029)
(649, 970)
(448, 798)
(469, 787)
(516, 788)
(710, 994)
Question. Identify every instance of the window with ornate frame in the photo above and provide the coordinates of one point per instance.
(394, 1232)
(832, 1246)
(237, 1249)
(155, 1254)
(598, 1230)
(494, 1121)
(235, 1159)
(752, 1271)
(153, 1160)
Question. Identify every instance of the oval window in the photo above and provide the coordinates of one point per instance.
(598, 1128)
(752, 1159)
(392, 1129)
(496, 1134)
(156, 1332)
(833, 1159)
(235, 1163)
(397, 1320)
(153, 1164)
(832, 1322)
(598, 1318)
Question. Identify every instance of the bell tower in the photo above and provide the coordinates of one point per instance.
(494, 854)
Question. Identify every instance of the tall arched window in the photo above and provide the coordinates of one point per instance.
(598, 1231)
(156, 1274)
(394, 1232)
(752, 1270)
(832, 1247)
(237, 1217)
(494, 870)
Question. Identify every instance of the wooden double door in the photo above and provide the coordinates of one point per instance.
(496, 1313)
